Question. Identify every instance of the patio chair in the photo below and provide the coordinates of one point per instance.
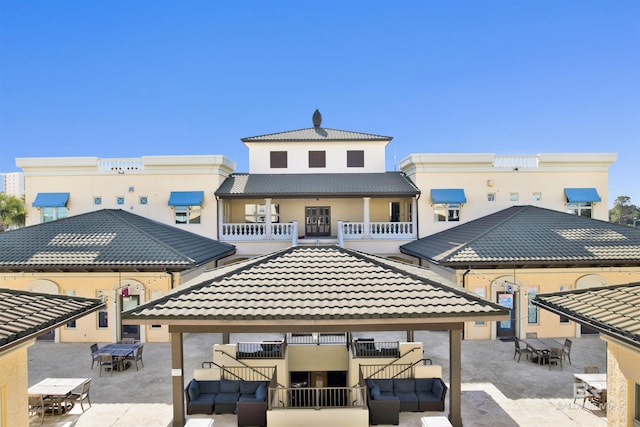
(128, 341)
(591, 369)
(566, 349)
(82, 395)
(579, 390)
(106, 361)
(555, 354)
(37, 406)
(597, 398)
(532, 335)
(136, 356)
(94, 354)
(520, 349)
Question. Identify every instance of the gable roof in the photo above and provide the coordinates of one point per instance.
(317, 184)
(533, 237)
(105, 240)
(316, 286)
(25, 315)
(316, 134)
(611, 310)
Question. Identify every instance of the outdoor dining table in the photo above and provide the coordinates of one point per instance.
(541, 346)
(57, 390)
(595, 381)
(120, 351)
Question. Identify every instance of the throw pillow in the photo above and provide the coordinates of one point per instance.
(193, 390)
(261, 392)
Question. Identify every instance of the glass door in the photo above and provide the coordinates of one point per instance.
(317, 221)
(506, 328)
(130, 331)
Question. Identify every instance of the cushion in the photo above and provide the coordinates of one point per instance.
(261, 392)
(193, 389)
(385, 385)
(226, 398)
(203, 400)
(407, 396)
(210, 387)
(424, 384)
(249, 387)
(405, 385)
(437, 389)
(375, 392)
(229, 386)
(427, 396)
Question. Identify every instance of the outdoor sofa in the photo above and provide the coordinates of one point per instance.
(389, 397)
(248, 399)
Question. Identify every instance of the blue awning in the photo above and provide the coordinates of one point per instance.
(51, 200)
(186, 198)
(581, 195)
(448, 195)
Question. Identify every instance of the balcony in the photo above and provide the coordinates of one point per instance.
(258, 231)
(375, 230)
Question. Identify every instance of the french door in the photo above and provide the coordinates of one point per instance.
(317, 221)
(506, 328)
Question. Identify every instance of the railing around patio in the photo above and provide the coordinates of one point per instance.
(260, 350)
(515, 162)
(375, 230)
(315, 338)
(371, 348)
(252, 231)
(317, 398)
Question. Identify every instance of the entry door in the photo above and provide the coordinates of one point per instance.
(506, 328)
(130, 331)
(317, 221)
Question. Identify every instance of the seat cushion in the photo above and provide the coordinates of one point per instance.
(193, 389)
(405, 385)
(385, 385)
(209, 386)
(229, 386)
(204, 400)
(225, 398)
(424, 384)
(409, 396)
(249, 387)
(427, 396)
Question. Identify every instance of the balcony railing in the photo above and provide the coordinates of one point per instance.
(317, 397)
(260, 350)
(120, 165)
(371, 348)
(375, 230)
(255, 231)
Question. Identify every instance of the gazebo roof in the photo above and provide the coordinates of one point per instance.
(316, 288)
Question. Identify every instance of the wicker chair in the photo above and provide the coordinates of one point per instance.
(128, 341)
(106, 361)
(136, 356)
(591, 369)
(82, 395)
(555, 354)
(566, 349)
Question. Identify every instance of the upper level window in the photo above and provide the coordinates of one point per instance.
(254, 212)
(53, 213)
(446, 212)
(187, 205)
(53, 206)
(317, 159)
(278, 159)
(582, 209)
(355, 159)
(187, 214)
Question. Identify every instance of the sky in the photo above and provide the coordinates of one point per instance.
(122, 79)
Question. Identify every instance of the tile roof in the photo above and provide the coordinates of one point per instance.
(612, 310)
(318, 184)
(318, 284)
(25, 315)
(530, 236)
(103, 240)
(316, 134)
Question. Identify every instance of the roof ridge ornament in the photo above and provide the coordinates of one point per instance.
(317, 118)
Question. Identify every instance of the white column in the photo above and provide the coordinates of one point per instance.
(414, 216)
(267, 218)
(220, 219)
(366, 213)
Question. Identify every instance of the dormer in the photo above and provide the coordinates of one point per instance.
(316, 150)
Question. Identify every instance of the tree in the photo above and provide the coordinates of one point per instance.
(12, 213)
(623, 212)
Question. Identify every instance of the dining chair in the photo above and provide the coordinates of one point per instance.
(82, 395)
(128, 341)
(36, 406)
(106, 361)
(555, 354)
(591, 369)
(597, 398)
(519, 349)
(94, 354)
(137, 356)
(579, 390)
(566, 349)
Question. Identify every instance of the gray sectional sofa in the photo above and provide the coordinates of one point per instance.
(246, 398)
(389, 397)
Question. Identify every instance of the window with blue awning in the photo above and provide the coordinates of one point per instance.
(448, 195)
(581, 195)
(186, 198)
(51, 200)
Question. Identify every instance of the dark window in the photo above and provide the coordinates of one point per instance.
(278, 159)
(317, 159)
(355, 159)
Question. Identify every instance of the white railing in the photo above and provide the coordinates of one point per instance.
(376, 230)
(120, 165)
(515, 162)
(259, 231)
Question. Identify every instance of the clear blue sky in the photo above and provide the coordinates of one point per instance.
(132, 78)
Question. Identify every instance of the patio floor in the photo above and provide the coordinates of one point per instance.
(496, 391)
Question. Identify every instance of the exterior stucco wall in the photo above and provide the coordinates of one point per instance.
(13, 386)
(356, 417)
(623, 371)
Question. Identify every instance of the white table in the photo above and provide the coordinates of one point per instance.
(597, 381)
(56, 388)
(435, 422)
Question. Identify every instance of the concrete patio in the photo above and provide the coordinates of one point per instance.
(496, 390)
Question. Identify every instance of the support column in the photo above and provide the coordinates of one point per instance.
(177, 379)
(267, 218)
(225, 338)
(366, 216)
(409, 336)
(455, 376)
(220, 219)
(414, 216)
